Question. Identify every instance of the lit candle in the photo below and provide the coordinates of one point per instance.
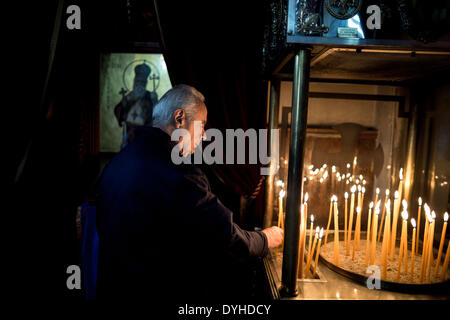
(400, 185)
(350, 223)
(374, 234)
(386, 240)
(311, 253)
(363, 191)
(310, 234)
(425, 241)
(301, 246)
(333, 176)
(405, 243)
(306, 203)
(418, 223)
(359, 196)
(377, 192)
(445, 266)
(430, 247)
(336, 235)
(348, 169)
(354, 165)
(358, 223)
(369, 220)
(413, 252)
(402, 243)
(280, 209)
(329, 221)
(394, 224)
(345, 219)
(316, 260)
(441, 245)
(382, 216)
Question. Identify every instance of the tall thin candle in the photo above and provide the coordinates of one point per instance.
(418, 223)
(369, 221)
(311, 254)
(345, 220)
(329, 221)
(350, 223)
(441, 245)
(413, 252)
(430, 247)
(386, 240)
(374, 234)
(310, 234)
(394, 224)
(383, 215)
(402, 243)
(446, 261)
(336, 235)
(316, 260)
(358, 223)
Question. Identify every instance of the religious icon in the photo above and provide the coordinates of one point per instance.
(136, 106)
(130, 86)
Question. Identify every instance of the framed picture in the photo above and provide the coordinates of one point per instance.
(130, 85)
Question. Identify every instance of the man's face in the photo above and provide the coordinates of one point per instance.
(196, 128)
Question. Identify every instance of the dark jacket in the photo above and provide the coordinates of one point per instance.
(162, 231)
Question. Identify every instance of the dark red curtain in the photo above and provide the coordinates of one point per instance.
(216, 47)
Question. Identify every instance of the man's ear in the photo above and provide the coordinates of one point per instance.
(179, 116)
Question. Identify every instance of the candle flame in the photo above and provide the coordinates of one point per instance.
(280, 183)
(377, 190)
(401, 174)
(363, 190)
(306, 197)
(427, 212)
(333, 169)
(311, 167)
(321, 233)
(377, 210)
(388, 204)
(433, 215)
(387, 192)
(346, 195)
(371, 205)
(359, 188)
(378, 204)
(317, 230)
(339, 179)
(413, 222)
(364, 182)
(353, 189)
(404, 204)
(348, 165)
(282, 193)
(405, 215)
(305, 179)
(420, 201)
(446, 216)
(358, 209)
(357, 181)
(325, 175)
(321, 180)
(396, 195)
(347, 175)
(361, 177)
(347, 182)
(355, 160)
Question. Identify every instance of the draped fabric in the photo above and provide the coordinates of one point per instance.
(216, 47)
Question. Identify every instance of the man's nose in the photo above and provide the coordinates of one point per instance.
(203, 135)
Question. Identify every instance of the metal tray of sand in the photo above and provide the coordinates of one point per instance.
(415, 276)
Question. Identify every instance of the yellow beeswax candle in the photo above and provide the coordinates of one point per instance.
(418, 223)
(316, 260)
(413, 252)
(310, 234)
(383, 215)
(441, 245)
(394, 224)
(311, 254)
(445, 266)
(369, 221)
(345, 219)
(329, 222)
(336, 235)
(374, 234)
(402, 243)
(355, 239)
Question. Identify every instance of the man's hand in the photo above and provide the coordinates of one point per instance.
(274, 236)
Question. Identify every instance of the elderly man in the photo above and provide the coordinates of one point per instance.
(162, 232)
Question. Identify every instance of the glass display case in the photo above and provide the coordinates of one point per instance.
(362, 187)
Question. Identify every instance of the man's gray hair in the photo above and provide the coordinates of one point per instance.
(181, 96)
